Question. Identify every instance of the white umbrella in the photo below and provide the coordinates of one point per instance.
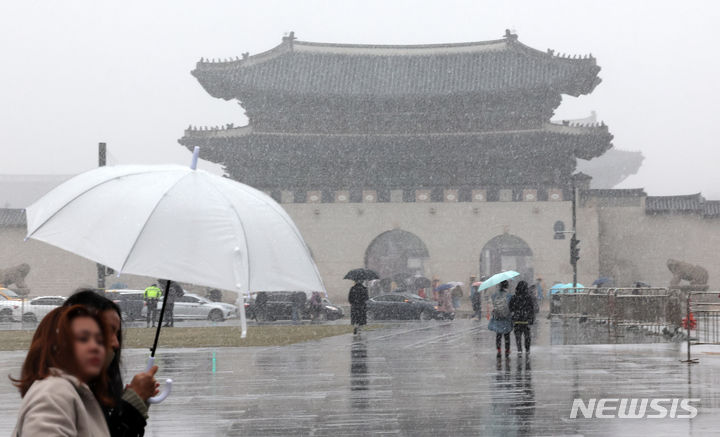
(179, 223)
(173, 222)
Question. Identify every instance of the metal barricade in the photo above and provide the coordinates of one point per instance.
(655, 310)
(693, 316)
(703, 317)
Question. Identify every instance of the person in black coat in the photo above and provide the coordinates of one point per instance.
(358, 298)
(298, 304)
(260, 307)
(176, 292)
(522, 310)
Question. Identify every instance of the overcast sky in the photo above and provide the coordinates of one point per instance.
(79, 72)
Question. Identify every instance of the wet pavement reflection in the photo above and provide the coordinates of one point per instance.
(359, 383)
(418, 379)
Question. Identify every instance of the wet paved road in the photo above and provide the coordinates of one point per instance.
(419, 378)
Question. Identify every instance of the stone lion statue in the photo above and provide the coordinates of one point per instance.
(15, 275)
(683, 271)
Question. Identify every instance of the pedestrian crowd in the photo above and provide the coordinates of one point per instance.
(507, 312)
(71, 383)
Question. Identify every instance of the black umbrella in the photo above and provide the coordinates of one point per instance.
(422, 282)
(361, 275)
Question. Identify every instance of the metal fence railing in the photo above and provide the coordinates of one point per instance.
(694, 315)
(653, 309)
(703, 317)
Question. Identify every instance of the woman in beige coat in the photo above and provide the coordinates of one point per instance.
(63, 378)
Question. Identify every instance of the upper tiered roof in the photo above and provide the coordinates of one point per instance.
(299, 67)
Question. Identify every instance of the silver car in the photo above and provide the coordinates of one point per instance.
(191, 306)
(37, 308)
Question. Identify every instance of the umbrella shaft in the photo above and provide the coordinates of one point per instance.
(162, 311)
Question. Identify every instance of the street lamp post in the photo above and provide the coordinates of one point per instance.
(574, 250)
(102, 159)
(574, 242)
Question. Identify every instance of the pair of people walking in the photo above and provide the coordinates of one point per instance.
(512, 313)
(71, 382)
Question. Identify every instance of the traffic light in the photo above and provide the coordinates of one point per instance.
(574, 250)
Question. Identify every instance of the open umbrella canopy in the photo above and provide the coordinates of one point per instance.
(498, 278)
(178, 223)
(421, 282)
(603, 280)
(361, 275)
(445, 286)
(174, 222)
(568, 288)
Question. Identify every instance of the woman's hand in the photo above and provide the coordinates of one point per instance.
(144, 384)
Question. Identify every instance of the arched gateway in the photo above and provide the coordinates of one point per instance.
(394, 254)
(507, 252)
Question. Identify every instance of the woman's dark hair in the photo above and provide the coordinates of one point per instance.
(93, 300)
(522, 287)
(53, 345)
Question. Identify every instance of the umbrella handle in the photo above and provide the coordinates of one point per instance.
(165, 392)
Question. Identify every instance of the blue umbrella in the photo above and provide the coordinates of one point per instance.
(498, 278)
(445, 287)
(602, 280)
(557, 287)
(577, 286)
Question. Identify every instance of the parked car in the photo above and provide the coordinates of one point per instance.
(279, 307)
(8, 294)
(329, 311)
(191, 306)
(131, 302)
(10, 310)
(10, 305)
(37, 308)
(401, 306)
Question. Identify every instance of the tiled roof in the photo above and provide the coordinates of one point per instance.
(693, 203)
(688, 203)
(712, 208)
(229, 131)
(626, 192)
(12, 217)
(217, 144)
(380, 70)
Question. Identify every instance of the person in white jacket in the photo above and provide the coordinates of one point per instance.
(63, 378)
